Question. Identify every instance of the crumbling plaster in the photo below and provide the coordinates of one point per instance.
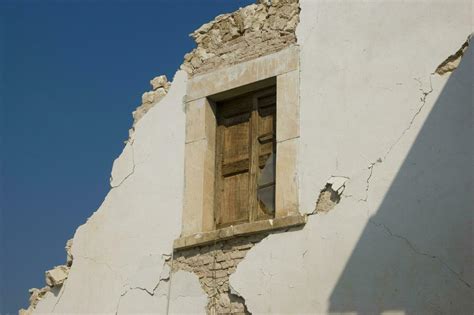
(397, 240)
(250, 32)
(369, 91)
(121, 253)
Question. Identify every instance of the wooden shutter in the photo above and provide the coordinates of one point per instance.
(245, 158)
(233, 161)
(266, 151)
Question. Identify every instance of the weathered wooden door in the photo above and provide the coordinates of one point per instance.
(245, 158)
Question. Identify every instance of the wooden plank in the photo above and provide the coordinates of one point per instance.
(235, 167)
(235, 199)
(266, 151)
(245, 142)
(219, 185)
(233, 161)
(235, 106)
(254, 161)
(236, 143)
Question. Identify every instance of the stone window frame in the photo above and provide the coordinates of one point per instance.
(202, 91)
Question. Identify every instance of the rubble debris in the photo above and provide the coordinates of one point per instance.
(54, 278)
(160, 87)
(250, 32)
(69, 257)
(35, 296)
(57, 275)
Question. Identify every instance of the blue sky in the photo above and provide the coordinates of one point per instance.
(71, 73)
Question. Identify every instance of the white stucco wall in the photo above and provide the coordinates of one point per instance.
(372, 110)
(119, 254)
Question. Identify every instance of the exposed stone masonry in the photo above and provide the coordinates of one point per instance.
(330, 195)
(452, 62)
(213, 264)
(250, 32)
(54, 279)
(160, 87)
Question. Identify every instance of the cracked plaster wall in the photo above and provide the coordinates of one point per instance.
(121, 252)
(368, 90)
(400, 238)
(213, 264)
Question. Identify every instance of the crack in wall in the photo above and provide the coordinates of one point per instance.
(237, 297)
(423, 103)
(423, 98)
(419, 252)
(55, 278)
(213, 264)
(152, 293)
(367, 181)
(59, 297)
(131, 172)
(372, 165)
(101, 263)
(200, 66)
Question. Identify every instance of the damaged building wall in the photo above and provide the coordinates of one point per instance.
(382, 174)
(123, 255)
(374, 110)
(120, 255)
(250, 32)
(214, 264)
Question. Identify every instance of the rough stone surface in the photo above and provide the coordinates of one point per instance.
(54, 279)
(160, 82)
(452, 62)
(57, 275)
(213, 264)
(160, 87)
(253, 31)
(36, 295)
(69, 257)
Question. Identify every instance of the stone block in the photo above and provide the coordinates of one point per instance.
(288, 118)
(220, 274)
(286, 190)
(159, 82)
(238, 254)
(57, 276)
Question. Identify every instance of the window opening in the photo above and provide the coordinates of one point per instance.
(245, 158)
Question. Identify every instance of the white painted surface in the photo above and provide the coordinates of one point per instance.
(122, 245)
(187, 297)
(400, 240)
(365, 67)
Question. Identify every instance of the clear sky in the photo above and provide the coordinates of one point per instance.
(71, 73)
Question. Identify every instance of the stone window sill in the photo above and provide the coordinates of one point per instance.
(204, 238)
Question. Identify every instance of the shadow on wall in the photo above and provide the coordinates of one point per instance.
(415, 254)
